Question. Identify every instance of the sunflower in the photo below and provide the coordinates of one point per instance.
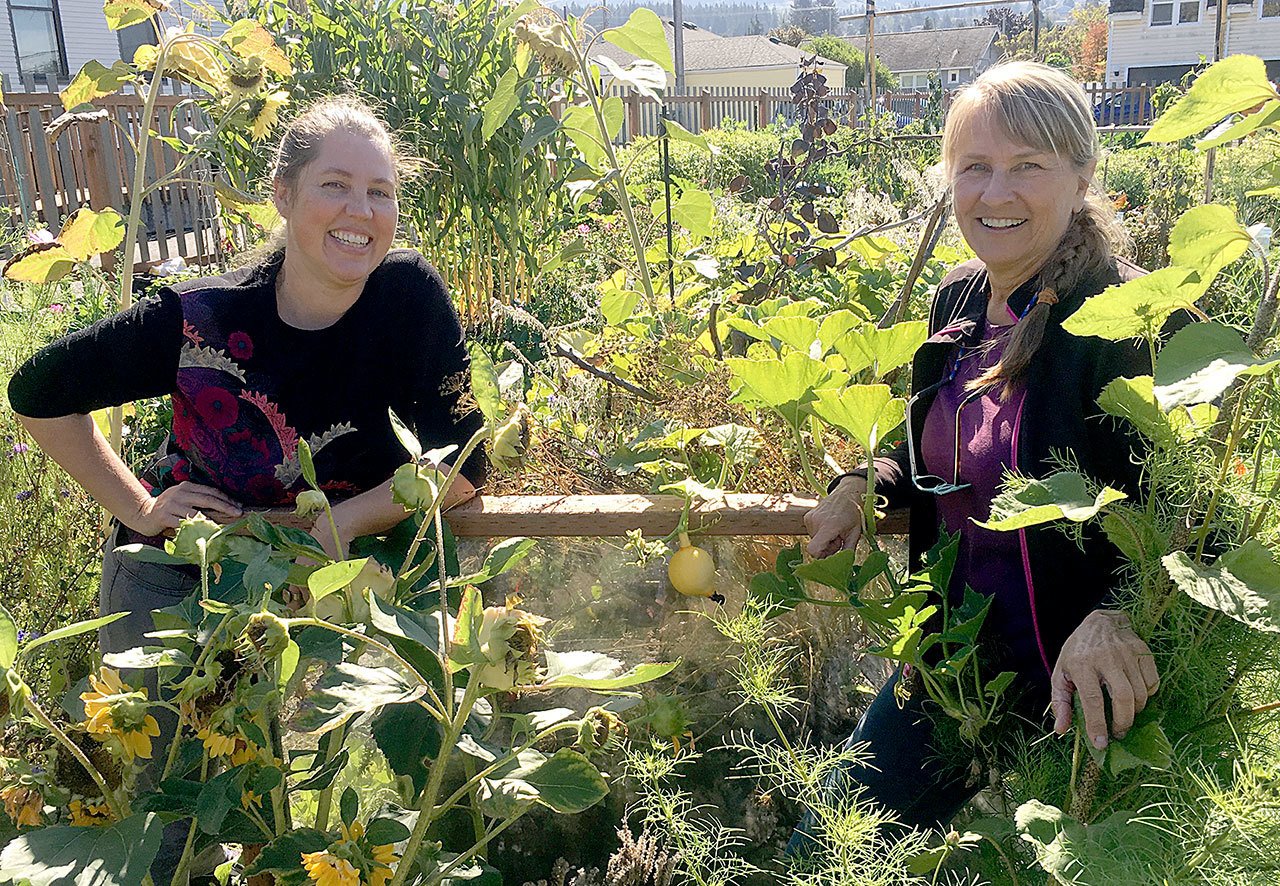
(217, 743)
(89, 814)
(326, 869)
(117, 715)
(23, 804)
(384, 859)
(266, 117)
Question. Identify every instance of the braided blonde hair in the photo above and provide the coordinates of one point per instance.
(1044, 109)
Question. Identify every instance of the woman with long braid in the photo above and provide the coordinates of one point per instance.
(1001, 387)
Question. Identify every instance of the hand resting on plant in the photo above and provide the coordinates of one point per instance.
(162, 514)
(835, 524)
(1103, 652)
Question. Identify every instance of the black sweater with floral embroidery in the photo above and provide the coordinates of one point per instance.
(246, 386)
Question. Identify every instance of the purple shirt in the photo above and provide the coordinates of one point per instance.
(989, 562)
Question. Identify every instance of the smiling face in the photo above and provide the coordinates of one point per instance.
(1013, 203)
(342, 214)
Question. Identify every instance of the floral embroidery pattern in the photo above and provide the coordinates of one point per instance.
(240, 345)
(189, 332)
(287, 436)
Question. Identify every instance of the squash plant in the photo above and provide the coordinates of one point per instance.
(1187, 794)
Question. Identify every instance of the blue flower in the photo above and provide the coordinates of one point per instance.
(19, 448)
(25, 494)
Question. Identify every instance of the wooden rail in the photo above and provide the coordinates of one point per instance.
(607, 516)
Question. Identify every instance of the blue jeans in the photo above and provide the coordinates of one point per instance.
(903, 770)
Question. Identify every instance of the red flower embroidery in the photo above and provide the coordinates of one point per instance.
(240, 345)
(181, 470)
(218, 407)
(184, 420)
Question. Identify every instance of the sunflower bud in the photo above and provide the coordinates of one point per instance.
(414, 486)
(312, 501)
(511, 440)
(265, 635)
(195, 534)
(597, 729)
(509, 640)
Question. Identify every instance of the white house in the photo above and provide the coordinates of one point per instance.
(57, 37)
(956, 55)
(1158, 41)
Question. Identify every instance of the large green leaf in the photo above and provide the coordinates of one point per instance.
(777, 383)
(1134, 399)
(409, 738)
(1266, 116)
(88, 233)
(1118, 849)
(122, 13)
(1201, 361)
(1244, 584)
(119, 855)
(867, 413)
(833, 571)
(71, 630)
(502, 557)
(334, 577)
(1236, 83)
(579, 123)
(595, 670)
(95, 80)
(882, 349)
(1145, 745)
(348, 689)
(568, 782)
(1137, 307)
(1208, 238)
(1064, 495)
(40, 263)
(679, 133)
(484, 383)
(644, 37)
(645, 77)
(501, 104)
(694, 211)
(795, 332)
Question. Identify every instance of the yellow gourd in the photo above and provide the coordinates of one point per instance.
(692, 571)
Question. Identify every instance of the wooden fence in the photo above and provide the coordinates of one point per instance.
(698, 108)
(1112, 105)
(45, 179)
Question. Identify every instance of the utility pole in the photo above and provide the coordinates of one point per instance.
(1035, 29)
(677, 48)
(1219, 50)
(870, 60)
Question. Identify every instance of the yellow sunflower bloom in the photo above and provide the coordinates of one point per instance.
(117, 714)
(89, 814)
(217, 744)
(384, 862)
(328, 870)
(245, 752)
(23, 804)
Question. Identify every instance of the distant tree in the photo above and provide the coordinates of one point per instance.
(840, 50)
(1009, 21)
(814, 16)
(756, 27)
(928, 23)
(792, 35)
(1088, 33)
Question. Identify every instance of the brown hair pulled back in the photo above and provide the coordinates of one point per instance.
(1045, 109)
(301, 143)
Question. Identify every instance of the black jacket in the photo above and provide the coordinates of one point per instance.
(1060, 414)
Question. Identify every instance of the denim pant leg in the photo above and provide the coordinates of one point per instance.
(132, 586)
(905, 772)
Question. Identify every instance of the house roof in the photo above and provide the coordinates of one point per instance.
(936, 49)
(705, 51)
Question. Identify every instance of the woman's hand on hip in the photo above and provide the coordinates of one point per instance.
(159, 515)
(1103, 652)
(835, 524)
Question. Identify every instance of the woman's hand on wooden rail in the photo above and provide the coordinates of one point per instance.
(835, 524)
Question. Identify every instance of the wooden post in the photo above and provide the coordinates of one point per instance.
(633, 116)
(764, 109)
(100, 197)
(704, 111)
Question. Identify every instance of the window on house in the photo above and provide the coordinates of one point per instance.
(36, 34)
(1163, 12)
(1271, 8)
(954, 77)
(134, 36)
